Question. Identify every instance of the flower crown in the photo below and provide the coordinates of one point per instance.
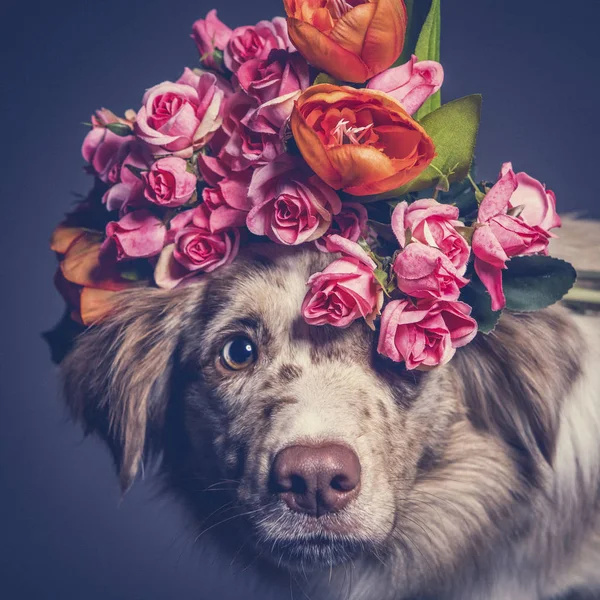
(325, 129)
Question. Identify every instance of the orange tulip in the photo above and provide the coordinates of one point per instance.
(351, 40)
(360, 141)
(87, 285)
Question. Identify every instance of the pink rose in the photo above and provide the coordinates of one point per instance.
(271, 117)
(138, 234)
(424, 335)
(239, 146)
(212, 169)
(539, 204)
(192, 78)
(277, 75)
(290, 206)
(180, 118)
(433, 224)
(426, 272)
(249, 42)
(411, 83)
(177, 223)
(128, 191)
(210, 34)
(196, 248)
(349, 223)
(498, 236)
(228, 201)
(168, 182)
(345, 291)
(102, 148)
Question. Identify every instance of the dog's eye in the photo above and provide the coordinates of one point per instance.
(238, 353)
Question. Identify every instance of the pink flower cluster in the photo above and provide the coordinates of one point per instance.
(426, 322)
(203, 164)
(223, 129)
(203, 159)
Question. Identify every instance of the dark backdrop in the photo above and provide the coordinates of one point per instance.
(63, 533)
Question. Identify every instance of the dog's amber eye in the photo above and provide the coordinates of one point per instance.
(238, 353)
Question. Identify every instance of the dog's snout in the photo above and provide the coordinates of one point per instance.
(316, 480)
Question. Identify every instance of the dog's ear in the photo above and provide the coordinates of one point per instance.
(117, 378)
(515, 379)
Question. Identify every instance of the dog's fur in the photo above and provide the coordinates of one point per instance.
(480, 479)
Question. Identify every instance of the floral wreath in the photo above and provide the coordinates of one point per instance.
(327, 129)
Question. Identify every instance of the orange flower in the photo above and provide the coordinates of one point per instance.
(360, 141)
(351, 40)
(87, 285)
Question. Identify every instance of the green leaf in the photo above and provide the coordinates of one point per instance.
(326, 78)
(428, 48)
(136, 171)
(535, 282)
(478, 298)
(130, 275)
(119, 129)
(453, 128)
(381, 277)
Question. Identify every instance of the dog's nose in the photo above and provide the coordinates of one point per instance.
(316, 480)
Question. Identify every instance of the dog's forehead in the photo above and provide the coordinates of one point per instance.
(266, 283)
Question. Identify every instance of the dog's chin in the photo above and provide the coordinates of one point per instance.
(311, 553)
(299, 542)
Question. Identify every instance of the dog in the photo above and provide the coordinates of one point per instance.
(301, 451)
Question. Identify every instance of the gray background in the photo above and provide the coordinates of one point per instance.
(63, 533)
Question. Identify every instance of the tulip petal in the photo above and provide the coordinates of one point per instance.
(313, 151)
(385, 36)
(95, 304)
(82, 266)
(63, 237)
(360, 165)
(350, 31)
(324, 53)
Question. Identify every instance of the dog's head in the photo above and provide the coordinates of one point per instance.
(303, 439)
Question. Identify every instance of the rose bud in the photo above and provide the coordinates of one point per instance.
(228, 201)
(425, 272)
(197, 248)
(433, 224)
(249, 42)
(539, 204)
(168, 183)
(237, 146)
(424, 335)
(290, 206)
(180, 118)
(411, 83)
(128, 191)
(498, 236)
(345, 291)
(102, 148)
(352, 41)
(210, 34)
(138, 234)
(360, 141)
(349, 223)
(279, 74)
